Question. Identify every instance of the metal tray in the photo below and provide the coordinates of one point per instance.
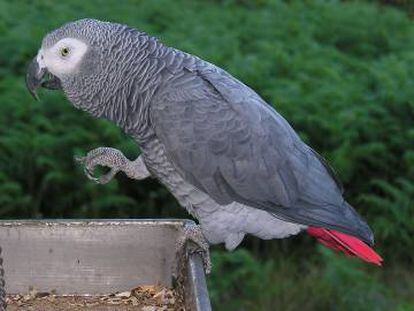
(86, 257)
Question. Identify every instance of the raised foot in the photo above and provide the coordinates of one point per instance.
(194, 241)
(103, 156)
(116, 161)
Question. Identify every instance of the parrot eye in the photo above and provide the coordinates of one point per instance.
(64, 51)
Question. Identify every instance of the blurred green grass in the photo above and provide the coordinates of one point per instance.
(341, 72)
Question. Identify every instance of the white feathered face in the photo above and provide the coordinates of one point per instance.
(62, 58)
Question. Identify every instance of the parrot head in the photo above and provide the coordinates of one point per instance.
(66, 55)
(87, 59)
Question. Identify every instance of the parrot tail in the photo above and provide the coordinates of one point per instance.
(345, 243)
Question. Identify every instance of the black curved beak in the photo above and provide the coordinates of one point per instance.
(35, 77)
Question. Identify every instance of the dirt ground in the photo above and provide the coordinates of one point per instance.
(141, 298)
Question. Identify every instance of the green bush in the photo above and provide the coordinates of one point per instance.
(330, 282)
(342, 72)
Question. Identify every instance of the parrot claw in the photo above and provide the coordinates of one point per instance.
(115, 161)
(88, 172)
(194, 241)
(103, 156)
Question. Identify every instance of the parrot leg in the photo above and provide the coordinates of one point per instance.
(116, 161)
(195, 242)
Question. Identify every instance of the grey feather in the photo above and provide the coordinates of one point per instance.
(230, 144)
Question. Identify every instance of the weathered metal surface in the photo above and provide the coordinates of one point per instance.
(197, 294)
(95, 257)
(2, 285)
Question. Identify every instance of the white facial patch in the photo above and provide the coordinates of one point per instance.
(63, 57)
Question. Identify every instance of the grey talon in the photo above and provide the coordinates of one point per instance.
(115, 161)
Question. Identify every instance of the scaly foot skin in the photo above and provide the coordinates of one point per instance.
(195, 242)
(116, 161)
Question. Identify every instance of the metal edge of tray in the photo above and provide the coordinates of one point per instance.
(196, 297)
(196, 292)
(95, 222)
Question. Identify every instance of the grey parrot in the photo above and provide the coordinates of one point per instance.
(226, 155)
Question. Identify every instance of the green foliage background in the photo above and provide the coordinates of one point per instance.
(342, 72)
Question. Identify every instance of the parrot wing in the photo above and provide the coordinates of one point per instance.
(226, 141)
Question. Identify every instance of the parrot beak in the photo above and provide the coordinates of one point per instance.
(35, 77)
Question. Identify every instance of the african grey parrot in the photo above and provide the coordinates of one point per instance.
(228, 157)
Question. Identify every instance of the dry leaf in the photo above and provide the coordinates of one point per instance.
(126, 294)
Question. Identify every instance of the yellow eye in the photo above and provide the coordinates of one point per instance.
(64, 51)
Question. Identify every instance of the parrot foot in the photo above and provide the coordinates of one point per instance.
(195, 242)
(116, 161)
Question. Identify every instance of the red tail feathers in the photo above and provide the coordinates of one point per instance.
(348, 244)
